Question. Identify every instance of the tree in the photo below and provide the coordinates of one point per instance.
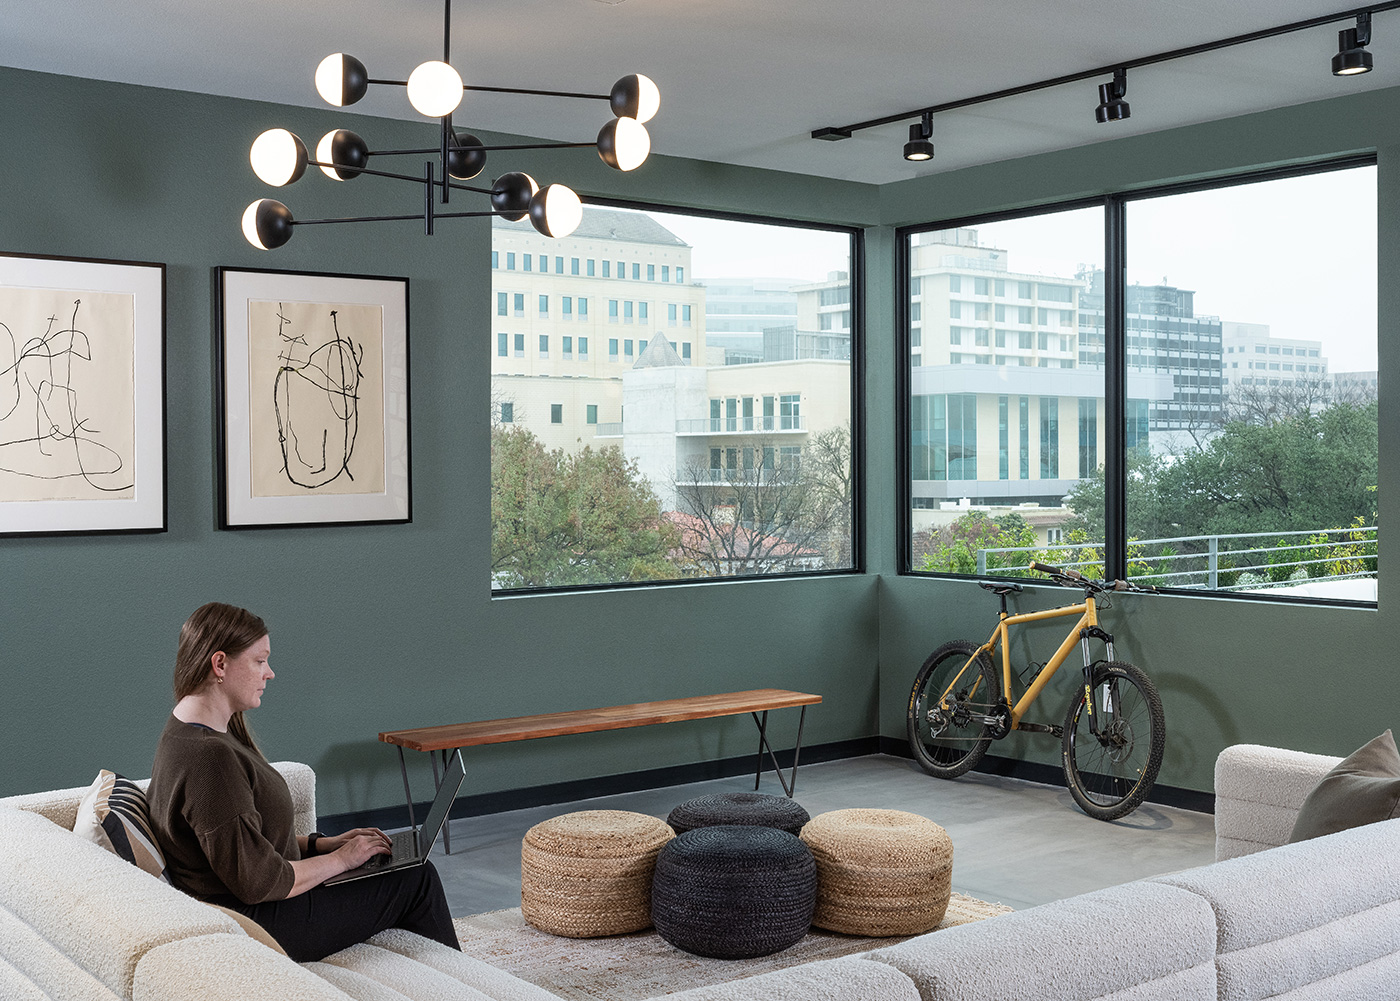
(954, 548)
(583, 518)
(794, 514)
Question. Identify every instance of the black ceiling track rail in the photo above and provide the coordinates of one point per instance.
(834, 133)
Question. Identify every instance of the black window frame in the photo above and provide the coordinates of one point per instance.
(857, 279)
(1114, 205)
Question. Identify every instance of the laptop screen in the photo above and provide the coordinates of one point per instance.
(437, 813)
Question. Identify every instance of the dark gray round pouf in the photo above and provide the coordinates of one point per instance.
(742, 808)
(733, 892)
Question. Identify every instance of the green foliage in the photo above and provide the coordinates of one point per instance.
(585, 518)
(954, 548)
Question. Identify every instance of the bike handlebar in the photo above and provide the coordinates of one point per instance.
(1088, 583)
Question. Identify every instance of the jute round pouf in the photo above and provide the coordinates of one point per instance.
(742, 808)
(588, 874)
(733, 892)
(879, 872)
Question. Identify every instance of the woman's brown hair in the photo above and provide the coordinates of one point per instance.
(214, 627)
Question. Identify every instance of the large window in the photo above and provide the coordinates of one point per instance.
(731, 454)
(997, 398)
(1243, 332)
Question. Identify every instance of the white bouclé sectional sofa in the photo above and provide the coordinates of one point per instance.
(1306, 922)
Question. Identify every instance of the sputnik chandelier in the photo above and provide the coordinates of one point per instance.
(435, 89)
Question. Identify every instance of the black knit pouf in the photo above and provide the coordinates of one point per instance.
(743, 808)
(733, 892)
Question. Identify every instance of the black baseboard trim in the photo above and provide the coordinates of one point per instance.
(1035, 771)
(390, 817)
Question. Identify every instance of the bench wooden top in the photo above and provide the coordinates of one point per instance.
(500, 731)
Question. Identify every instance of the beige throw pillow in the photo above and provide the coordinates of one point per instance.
(1363, 788)
(114, 814)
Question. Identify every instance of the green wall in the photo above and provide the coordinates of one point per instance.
(378, 627)
(1314, 678)
(385, 627)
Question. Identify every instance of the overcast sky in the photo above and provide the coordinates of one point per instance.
(1298, 254)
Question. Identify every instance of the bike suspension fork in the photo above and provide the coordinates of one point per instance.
(1084, 635)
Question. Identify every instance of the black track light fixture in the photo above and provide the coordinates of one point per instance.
(919, 148)
(1352, 58)
(1112, 107)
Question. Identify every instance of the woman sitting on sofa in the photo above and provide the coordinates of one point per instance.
(223, 815)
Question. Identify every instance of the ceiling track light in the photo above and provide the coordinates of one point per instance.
(1112, 107)
(435, 90)
(918, 148)
(1352, 58)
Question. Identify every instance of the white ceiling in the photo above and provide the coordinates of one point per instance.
(742, 81)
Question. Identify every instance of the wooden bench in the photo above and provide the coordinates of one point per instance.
(757, 703)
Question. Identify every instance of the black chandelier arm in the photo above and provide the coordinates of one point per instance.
(399, 218)
(538, 93)
(844, 131)
(508, 90)
(485, 149)
(367, 170)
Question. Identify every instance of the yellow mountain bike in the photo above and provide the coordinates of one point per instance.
(1114, 730)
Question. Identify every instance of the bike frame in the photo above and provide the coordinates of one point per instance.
(1086, 627)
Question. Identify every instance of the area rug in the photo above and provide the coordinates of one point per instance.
(640, 966)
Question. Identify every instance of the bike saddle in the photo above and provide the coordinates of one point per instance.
(1000, 588)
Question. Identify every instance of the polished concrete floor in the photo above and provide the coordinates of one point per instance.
(1014, 842)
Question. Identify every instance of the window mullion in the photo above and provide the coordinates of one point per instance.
(1115, 390)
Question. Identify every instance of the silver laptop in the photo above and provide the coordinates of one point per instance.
(411, 847)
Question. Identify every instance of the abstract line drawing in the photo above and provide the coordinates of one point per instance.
(314, 417)
(316, 398)
(66, 409)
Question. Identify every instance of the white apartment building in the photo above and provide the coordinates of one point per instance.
(571, 315)
(1254, 358)
(702, 425)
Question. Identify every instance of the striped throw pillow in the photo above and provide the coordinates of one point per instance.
(114, 814)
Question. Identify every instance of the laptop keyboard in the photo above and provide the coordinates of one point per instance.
(403, 848)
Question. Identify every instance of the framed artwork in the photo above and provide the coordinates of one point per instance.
(82, 395)
(313, 399)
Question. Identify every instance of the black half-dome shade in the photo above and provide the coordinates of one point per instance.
(555, 210)
(511, 194)
(346, 151)
(341, 79)
(635, 96)
(624, 144)
(267, 224)
(465, 156)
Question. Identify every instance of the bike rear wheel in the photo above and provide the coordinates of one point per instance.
(945, 742)
(1109, 775)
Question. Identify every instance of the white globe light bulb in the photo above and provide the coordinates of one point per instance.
(325, 155)
(435, 89)
(250, 225)
(633, 143)
(648, 98)
(278, 157)
(556, 210)
(330, 79)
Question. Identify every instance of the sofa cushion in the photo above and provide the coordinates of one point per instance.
(114, 814)
(481, 976)
(1135, 942)
(828, 980)
(91, 906)
(1299, 914)
(252, 929)
(1363, 788)
(1258, 791)
(373, 968)
(225, 968)
(32, 960)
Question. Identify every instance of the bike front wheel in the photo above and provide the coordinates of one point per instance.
(1109, 774)
(950, 687)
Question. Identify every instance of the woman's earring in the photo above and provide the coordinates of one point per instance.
(219, 680)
